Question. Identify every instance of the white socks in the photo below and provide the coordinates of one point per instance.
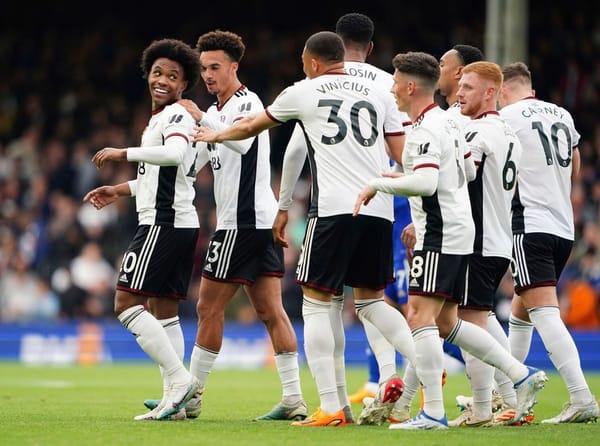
(519, 337)
(429, 364)
(482, 345)
(152, 338)
(562, 351)
(480, 377)
(339, 337)
(384, 352)
(389, 322)
(319, 347)
(174, 332)
(289, 375)
(201, 363)
(504, 385)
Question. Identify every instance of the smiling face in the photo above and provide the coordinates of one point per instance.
(166, 82)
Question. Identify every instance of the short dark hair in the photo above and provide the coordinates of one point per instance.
(421, 65)
(468, 53)
(176, 50)
(517, 70)
(355, 27)
(327, 46)
(227, 41)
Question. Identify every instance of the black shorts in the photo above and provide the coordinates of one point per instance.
(538, 259)
(159, 262)
(346, 250)
(484, 275)
(438, 275)
(241, 255)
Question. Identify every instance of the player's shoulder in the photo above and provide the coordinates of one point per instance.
(175, 113)
(244, 94)
(367, 71)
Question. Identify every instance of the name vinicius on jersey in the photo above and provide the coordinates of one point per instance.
(348, 85)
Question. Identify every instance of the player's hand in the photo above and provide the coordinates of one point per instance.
(108, 154)
(409, 239)
(364, 197)
(205, 134)
(101, 196)
(191, 108)
(278, 229)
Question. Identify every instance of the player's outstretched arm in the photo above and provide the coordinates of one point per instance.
(104, 195)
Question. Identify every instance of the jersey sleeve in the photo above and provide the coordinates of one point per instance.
(177, 125)
(293, 162)
(475, 143)
(575, 136)
(246, 105)
(423, 149)
(285, 106)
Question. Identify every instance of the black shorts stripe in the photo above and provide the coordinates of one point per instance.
(342, 250)
(159, 262)
(431, 268)
(538, 259)
(303, 264)
(519, 258)
(145, 256)
(241, 255)
(227, 249)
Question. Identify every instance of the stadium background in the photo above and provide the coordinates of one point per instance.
(71, 84)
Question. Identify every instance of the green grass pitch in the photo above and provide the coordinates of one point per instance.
(72, 406)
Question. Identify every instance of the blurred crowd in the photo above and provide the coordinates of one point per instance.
(68, 92)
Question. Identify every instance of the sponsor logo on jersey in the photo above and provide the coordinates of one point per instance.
(123, 278)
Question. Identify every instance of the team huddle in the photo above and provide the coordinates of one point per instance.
(488, 182)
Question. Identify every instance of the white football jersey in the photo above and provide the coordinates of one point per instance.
(344, 119)
(382, 79)
(442, 221)
(454, 111)
(242, 182)
(165, 194)
(548, 137)
(496, 151)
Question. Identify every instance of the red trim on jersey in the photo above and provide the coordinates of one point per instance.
(425, 110)
(158, 110)
(484, 114)
(395, 133)
(529, 97)
(419, 166)
(467, 155)
(184, 136)
(406, 123)
(272, 117)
